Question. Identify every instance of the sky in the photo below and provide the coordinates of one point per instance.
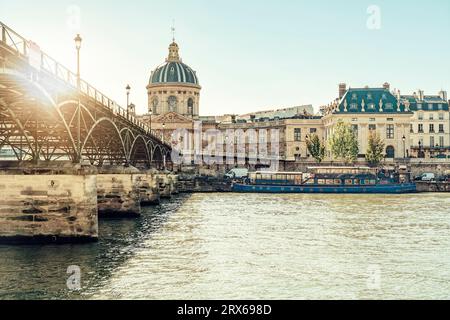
(249, 55)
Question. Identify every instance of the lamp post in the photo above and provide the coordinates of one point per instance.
(404, 146)
(128, 89)
(150, 112)
(163, 131)
(78, 47)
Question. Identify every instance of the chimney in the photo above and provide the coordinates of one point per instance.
(421, 95)
(443, 95)
(342, 90)
(387, 86)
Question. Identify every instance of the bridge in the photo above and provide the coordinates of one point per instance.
(49, 114)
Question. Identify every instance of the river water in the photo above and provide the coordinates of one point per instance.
(251, 246)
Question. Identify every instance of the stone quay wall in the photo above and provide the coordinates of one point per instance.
(48, 208)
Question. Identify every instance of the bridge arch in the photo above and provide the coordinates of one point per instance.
(105, 141)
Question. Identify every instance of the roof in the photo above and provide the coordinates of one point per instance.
(174, 72)
(370, 100)
(429, 103)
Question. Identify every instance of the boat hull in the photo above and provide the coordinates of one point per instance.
(372, 189)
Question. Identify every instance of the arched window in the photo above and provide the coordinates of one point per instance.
(190, 106)
(390, 152)
(172, 102)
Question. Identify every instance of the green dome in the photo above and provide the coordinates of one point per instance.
(174, 70)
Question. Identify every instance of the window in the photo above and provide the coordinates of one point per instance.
(372, 127)
(441, 142)
(353, 106)
(371, 106)
(419, 106)
(430, 106)
(441, 116)
(411, 128)
(372, 119)
(421, 128)
(420, 116)
(441, 128)
(190, 106)
(390, 134)
(389, 106)
(431, 142)
(298, 134)
(431, 116)
(313, 130)
(172, 102)
(440, 106)
(431, 128)
(390, 119)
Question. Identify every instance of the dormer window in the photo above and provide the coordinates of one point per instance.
(384, 97)
(419, 106)
(369, 96)
(430, 106)
(440, 106)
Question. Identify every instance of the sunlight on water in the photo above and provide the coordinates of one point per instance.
(242, 246)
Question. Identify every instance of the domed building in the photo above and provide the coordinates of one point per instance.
(174, 87)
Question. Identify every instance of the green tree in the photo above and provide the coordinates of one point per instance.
(316, 148)
(344, 143)
(375, 149)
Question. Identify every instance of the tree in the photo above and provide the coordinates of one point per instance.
(375, 149)
(344, 143)
(316, 148)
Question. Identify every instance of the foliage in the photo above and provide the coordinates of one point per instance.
(344, 143)
(316, 148)
(375, 149)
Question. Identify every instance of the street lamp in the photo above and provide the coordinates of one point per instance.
(163, 130)
(78, 47)
(128, 89)
(404, 146)
(150, 112)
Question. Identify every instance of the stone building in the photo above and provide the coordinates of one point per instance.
(430, 124)
(415, 125)
(372, 110)
(174, 87)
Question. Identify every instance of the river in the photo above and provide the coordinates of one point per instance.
(251, 246)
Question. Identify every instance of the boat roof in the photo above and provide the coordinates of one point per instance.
(273, 172)
(340, 168)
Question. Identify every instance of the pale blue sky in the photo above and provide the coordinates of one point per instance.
(249, 55)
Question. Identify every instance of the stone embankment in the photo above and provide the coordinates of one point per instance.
(62, 202)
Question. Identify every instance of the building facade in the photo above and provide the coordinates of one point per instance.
(430, 124)
(174, 87)
(410, 126)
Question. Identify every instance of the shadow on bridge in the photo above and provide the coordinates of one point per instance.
(48, 114)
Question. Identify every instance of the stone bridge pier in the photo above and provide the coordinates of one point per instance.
(61, 203)
(57, 206)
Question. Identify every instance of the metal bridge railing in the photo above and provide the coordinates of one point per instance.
(31, 52)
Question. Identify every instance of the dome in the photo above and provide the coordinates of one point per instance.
(174, 70)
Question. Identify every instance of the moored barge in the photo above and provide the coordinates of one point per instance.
(340, 180)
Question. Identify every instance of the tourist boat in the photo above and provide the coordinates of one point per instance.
(359, 180)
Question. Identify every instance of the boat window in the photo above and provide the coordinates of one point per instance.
(320, 181)
(373, 182)
(348, 182)
(337, 181)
